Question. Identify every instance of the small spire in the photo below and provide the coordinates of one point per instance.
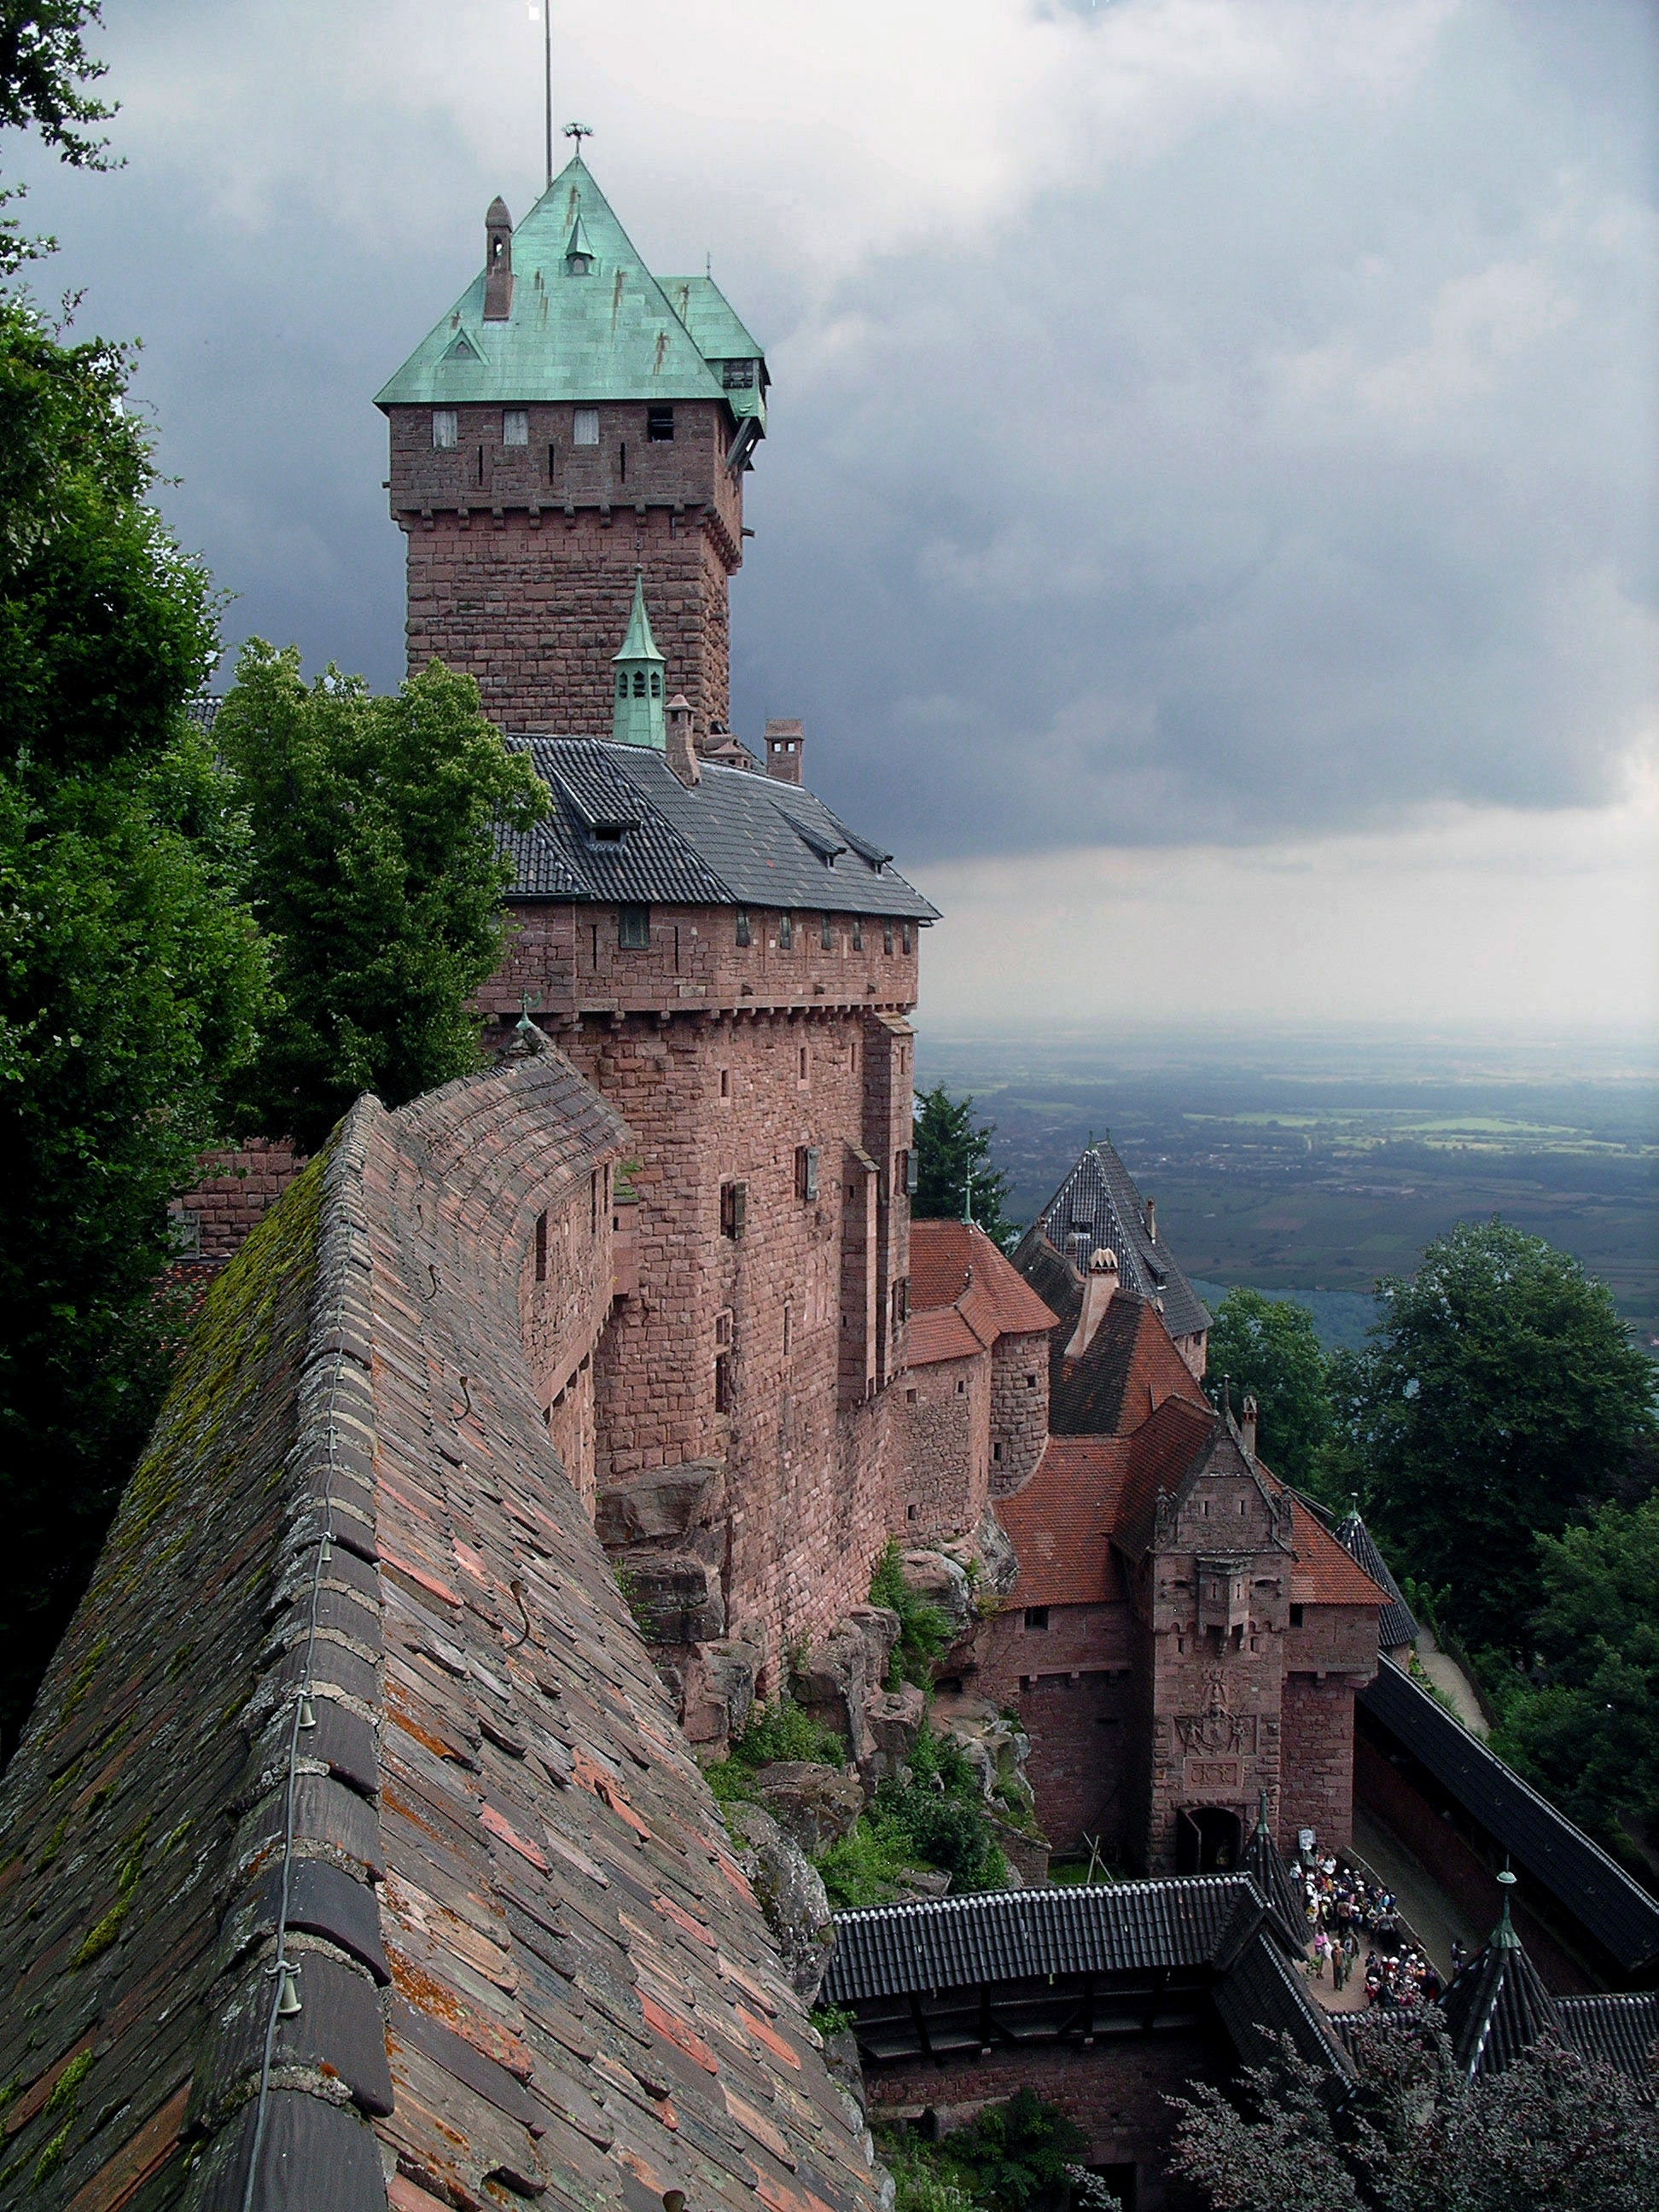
(637, 717)
(1504, 1935)
(1261, 1827)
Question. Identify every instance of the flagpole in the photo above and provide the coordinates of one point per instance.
(547, 74)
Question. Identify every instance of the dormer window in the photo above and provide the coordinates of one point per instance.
(738, 375)
(515, 426)
(586, 430)
(444, 429)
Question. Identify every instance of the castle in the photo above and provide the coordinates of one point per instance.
(358, 1850)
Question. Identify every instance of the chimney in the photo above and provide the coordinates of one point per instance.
(1099, 1288)
(498, 262)
(1152, 1221)
(785, 744)
(682, 751)
(1247, 1429)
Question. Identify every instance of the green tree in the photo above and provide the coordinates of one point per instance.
(130, 979)
(1554, 2133)
(1268, 1349)
(44, 68)
(952, 1151)
(376, 878)
(1499, 1397)
(1586, 1727)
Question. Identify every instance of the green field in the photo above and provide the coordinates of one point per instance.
(1318, 1167)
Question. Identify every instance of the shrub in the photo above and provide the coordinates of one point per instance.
(774, 1732)
(923, 1629)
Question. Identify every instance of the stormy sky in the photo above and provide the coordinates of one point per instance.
(1207, 526)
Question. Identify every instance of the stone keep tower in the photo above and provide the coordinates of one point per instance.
(571, 424)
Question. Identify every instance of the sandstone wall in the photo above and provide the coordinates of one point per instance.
(1019, 1409)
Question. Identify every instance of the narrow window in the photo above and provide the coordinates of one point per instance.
(622, 683)
(910, 1399)
(1296, 1616)
(481, 468)
(634, 928)
(806, 1172)
(996, 1454)
(1030, 1381)
(1036, 1616)
(734, 1208)
(722, 1381)
(901, 1298)
(803, 1063)
(827, 933)
(593, 1203)
(622, 459)
(910, 1510)
(639, 683)
(788, 1324)
(659, 425)
(786, 932)
(541, 1248)
(858, 933)
(910, 942)
(725, 1083)
(552, 460)
(887, 938)
(584, 430)
(742, 925)
(961, 1388)
(515, 426)
(912, 1174)
(444, 431)
(656, 685)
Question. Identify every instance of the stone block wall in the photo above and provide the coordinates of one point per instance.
(939, 1479)
(239, 1187)
(521, 559)
(1019, 1409)
(1115, 2090)
(1317, 1762)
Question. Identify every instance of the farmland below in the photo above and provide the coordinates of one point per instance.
(1315, 1165)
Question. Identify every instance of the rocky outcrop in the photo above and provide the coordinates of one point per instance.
(996, 1749)
(892, 1723)
(846, 1673)
(791, 1894)
(716, 1690)
(664, 1505)
(815, 1804)
(943, 1582)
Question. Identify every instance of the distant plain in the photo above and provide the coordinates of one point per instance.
(1314, 1164)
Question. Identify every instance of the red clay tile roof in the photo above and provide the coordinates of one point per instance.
(1061, 1521)
(1323, 1573)
(954, 1263)
(528, 1961)
(940, 1332)
(1161, 1451)
(1131, 1366)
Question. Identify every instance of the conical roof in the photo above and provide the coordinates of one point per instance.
(1395, 1624)
(1499, 2007)
(638, 643)
(610, 334)
(1286, 1913)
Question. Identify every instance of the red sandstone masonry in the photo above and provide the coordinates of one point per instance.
(239, 1187)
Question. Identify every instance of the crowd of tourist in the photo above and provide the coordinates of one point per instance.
(1350, 1919)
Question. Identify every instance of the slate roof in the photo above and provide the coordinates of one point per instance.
(1098, 1198)
(1396, 1625)
(614, 333)
(1547, 1848)
(528, 1962)
(1499, 2007)
(1286, 1911)
(1214, 1922)
(624, 828)
(1126, 1372)
(1620, 2031)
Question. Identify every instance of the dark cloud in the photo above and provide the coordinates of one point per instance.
(1284, 468)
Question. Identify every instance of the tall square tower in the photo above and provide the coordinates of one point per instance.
(573, 423)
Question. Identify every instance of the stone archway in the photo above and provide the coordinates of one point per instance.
(1209, 1839)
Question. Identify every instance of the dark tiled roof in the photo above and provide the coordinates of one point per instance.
(528, 1961)
(1545, 1845)
(1620, 2030)
(1213, 1922)
(1098, 1198)
(1286, 1911)
(624, 828)
(1395, 1624)
(1499, 2007)
(1128, 1368)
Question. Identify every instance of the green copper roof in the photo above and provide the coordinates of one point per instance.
(611, 334)
(637, 716)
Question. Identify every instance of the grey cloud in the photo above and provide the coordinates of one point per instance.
(1284, 478)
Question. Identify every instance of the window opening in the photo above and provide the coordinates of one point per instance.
(786, 932)
(515, 426)
(444, 428)
(659, 425)
(734, 1208)
(586, 426)
(541, 1248)
(858, 933)
(827, 933)
(803, 1063)
(742, 926)
(481, 468)
(788, 1324)
(887, 938)
(725, 1083)
(806, 1172)
(656, 685)
(722, 1381)
(910, 942)
(634, 927)
(1036, 1616)
(622, 458)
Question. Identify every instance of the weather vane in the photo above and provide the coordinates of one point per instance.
(578, 131)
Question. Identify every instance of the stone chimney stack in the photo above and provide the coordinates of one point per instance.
(786, 741)
(1152, 1221)
(1247, 1429)
(682, 751)
(498, 262)
(1099, 1289)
